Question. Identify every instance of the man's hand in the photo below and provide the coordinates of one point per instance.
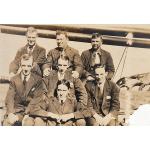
(12, 118)
(46, 72)
(107, 119)
(98, 118)
(66, 117)
(53, 116)
(90, 78)
(24, 119)
(75, 74)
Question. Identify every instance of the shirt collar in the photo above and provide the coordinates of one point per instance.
(27, 77)
(60, 76)
(30, 49)
(98, 51)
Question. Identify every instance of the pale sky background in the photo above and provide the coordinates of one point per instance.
(137, 61)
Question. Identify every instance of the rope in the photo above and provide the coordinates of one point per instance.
(120, 61)
(123, 63)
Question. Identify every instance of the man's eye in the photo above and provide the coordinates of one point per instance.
(29, 66)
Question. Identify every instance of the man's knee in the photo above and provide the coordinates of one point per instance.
(92, 122)
(113, 122)
(28, 121)
(80, 122)
(39, 122)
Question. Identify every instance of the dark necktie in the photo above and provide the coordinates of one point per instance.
(24, 81)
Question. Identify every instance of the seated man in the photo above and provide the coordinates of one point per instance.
(23, 88)
(31, 48)
(63, 72)
(96, 56)
(103, 99)
(63, 49)
(60, 109)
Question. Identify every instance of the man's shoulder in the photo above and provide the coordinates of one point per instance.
(105, 52)
(89, 84)
(73, 50)
(15, 78)
(86, 52)
(112, 84)
(22, 49)
(36, 77)
(53, 50)
(40, 48)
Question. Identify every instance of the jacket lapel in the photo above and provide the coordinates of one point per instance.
(35, 51)
(56, 105)
(102, 57)
(105, 91)
(19, 85)
(30, 84)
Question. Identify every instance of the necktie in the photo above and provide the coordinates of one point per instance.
(24, 81)
(62, 102)
(97, 58)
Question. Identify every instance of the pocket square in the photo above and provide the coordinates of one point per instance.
(108, 97)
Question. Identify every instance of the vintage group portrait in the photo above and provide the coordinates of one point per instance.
(74, 75)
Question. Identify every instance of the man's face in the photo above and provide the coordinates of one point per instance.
(61, 41)
(63, 65)
(62, 92)
(26, 66)
(96, 43)
(100, 75)
(31, 38)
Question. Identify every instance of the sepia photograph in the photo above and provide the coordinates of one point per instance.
(74, 74)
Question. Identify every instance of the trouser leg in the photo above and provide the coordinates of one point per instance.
(80, 122)
(91, 122)
(39, 122)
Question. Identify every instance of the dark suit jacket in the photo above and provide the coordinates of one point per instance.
(110, 99)
(51, 104)
(106, 60)
(39, 57)
(17, 98)
(79, 89)
(73, 55)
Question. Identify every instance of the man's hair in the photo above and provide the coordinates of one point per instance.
(64, 82)
(96, 35)
(31, 30)
(26, 57)
(66, 58)
(99, 67)
(58, 32)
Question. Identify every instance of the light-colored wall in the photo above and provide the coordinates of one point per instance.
(138, 59)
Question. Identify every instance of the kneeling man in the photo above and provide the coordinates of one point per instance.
(60, 109)
(103, 99)
(24, 87)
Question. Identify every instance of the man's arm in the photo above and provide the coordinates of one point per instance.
(41, 57)
(115, 106)
(80, 92)
(78, 63)
(110, 67)
(14, 65)
(9, 101)
(49, 60)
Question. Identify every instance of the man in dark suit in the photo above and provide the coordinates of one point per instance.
(96, 57)
(38, 53)
(63, 72)
(103, 99)
(24, 87)
(60, 109)
(62, 50)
